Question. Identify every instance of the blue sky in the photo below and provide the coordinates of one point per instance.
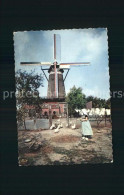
(77, 45)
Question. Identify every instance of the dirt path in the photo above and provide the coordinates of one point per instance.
(66, 147)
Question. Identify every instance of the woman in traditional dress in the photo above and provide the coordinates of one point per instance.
(86, 128)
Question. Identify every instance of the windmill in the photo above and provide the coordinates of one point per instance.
(56, 87)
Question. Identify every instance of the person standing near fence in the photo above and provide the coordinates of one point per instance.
(86, 128)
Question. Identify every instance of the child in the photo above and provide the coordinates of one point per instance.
(86, 128)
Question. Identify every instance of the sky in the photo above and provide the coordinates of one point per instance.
(76, 45)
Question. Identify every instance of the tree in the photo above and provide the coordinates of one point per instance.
(108, 104)
(27, 85)
(96, 102)
(75, 99)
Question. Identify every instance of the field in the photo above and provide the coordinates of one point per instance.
(45, 147)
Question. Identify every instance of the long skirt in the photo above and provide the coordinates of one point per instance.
(86, 128)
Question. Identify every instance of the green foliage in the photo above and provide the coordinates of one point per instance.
(27, 85)
(108, 104)
(98, 102)
(75, 99)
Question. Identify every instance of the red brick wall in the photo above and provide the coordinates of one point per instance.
(53, 107)
(58, 107)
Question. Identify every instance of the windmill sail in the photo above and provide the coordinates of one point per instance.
(57, 48)
(36, 63)
(56, 88)
(75, 64)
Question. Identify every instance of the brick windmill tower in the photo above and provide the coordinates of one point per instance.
(55, 101)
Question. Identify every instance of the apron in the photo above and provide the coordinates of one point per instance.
(86, 128)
